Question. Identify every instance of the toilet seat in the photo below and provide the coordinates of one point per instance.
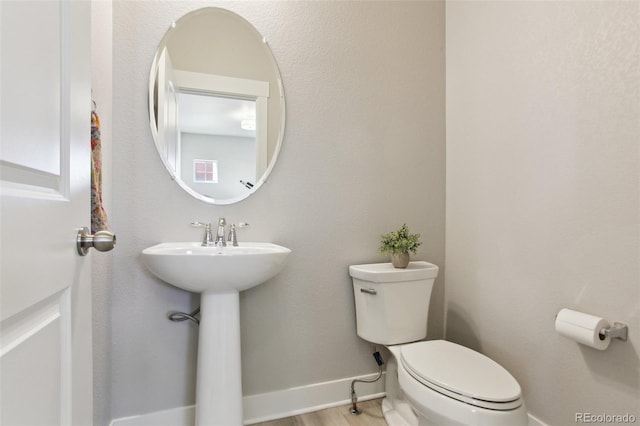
(473, 379)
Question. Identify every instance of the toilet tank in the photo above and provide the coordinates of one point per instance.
(392, 304)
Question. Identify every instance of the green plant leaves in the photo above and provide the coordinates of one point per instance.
(400, 241)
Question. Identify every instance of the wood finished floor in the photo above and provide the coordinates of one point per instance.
(338, 416)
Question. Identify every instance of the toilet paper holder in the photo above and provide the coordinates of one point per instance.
(618, 331)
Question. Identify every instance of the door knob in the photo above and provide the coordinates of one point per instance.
(101, 241)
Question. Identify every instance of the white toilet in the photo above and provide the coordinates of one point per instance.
(428, 382)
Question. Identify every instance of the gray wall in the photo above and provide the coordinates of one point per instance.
(363, 153)
(543, 108)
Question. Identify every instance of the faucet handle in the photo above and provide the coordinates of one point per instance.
(222, 221)
(207, 238)
(196, 224)
(233, 238)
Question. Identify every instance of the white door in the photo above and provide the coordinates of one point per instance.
(45, 287)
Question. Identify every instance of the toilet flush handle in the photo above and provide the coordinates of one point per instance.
(368, 290)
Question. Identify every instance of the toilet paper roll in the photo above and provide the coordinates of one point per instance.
(583, 328)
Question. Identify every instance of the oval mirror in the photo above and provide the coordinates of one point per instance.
(216, 105)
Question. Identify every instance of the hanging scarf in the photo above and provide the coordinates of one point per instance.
(99, 219)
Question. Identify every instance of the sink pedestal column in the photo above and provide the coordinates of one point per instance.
(219, 382)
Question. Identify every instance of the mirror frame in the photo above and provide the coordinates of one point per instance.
(154, 126)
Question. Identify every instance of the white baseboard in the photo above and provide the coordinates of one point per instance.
(534, 421)
(272, 405)
(305, 399)
(181, 416)
(279, 404)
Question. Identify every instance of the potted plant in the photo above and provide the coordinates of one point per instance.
(398, 244)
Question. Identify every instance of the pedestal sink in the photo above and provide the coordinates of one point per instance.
(219, 274)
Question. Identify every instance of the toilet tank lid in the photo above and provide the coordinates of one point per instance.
(385, 272)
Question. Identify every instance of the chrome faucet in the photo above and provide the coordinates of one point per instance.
(233, 237)
(207, 237)
(220, 241)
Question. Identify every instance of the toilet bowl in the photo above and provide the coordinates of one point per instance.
(428, 382)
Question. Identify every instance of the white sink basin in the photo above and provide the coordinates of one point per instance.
(191, 267)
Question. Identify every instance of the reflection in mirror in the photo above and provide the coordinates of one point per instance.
(229, 140)
(216, 106)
